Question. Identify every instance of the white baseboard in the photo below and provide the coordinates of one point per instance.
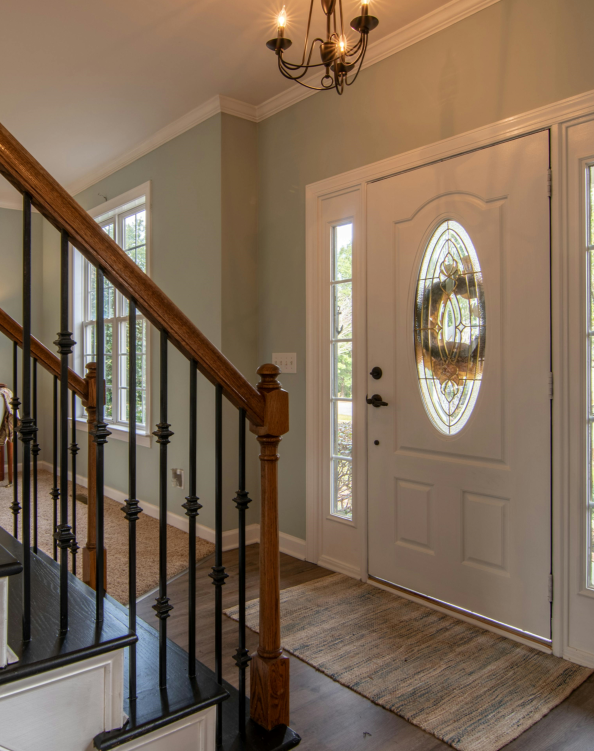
(586, 659)
(293, 546)
(339, 567)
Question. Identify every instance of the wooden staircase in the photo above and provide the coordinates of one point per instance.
(55, 620)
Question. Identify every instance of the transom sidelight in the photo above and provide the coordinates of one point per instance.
(450, 327)
(589, 372)
(341, 343)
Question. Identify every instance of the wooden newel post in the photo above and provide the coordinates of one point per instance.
(90, 548)
(269, 668)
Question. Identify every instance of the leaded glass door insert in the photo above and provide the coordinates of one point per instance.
(450, 327)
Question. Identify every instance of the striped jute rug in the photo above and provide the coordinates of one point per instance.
(468, 687)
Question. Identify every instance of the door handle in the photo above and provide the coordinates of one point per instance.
(376, 401)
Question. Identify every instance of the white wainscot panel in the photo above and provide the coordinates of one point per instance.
(485, 532)
(413, 516)
(63, 709)
(194, 733)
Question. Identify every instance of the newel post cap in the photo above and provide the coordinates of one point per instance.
(276, 409)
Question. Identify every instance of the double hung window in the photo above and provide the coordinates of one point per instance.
(125, 220)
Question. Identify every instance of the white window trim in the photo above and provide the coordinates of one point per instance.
(568, 499)
(119, 432)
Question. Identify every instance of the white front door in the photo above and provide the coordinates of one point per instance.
(459, 323)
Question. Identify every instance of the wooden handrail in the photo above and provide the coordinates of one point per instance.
(59, 208)
(43, 355)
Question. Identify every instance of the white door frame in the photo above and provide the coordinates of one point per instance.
(557, 117)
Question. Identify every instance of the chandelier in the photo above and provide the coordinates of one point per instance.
(340, 62)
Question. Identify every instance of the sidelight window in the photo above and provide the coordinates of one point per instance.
(590, 366)
(341, 343)
(450, 327)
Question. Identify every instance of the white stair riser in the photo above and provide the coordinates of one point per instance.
(63, 709)
(194, 733)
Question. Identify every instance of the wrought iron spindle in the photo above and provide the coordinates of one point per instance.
(132, 508)
(242, 501)
(64, 343)
(35, 449)
(218, 574)
(55, 491)
(192, 508)
(27, 427)
(74, 449)
(162, 607)
(15, 404)
(101, 434)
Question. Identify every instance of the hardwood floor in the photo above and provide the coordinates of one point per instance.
(328, 716)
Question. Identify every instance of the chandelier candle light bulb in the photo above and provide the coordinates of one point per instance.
(336, 62)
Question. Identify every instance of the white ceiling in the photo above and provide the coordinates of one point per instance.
(84, 81)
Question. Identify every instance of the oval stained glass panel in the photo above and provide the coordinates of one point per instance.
(450, 327)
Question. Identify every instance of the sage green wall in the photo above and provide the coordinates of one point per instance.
(185, 261)
(239, 304)
(510, 58)
(11, 279)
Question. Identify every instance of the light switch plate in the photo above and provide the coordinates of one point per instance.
(286, 361)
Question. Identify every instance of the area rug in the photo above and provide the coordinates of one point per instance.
(116, 539)
(468, 687)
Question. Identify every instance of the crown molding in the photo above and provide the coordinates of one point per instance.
(239, 109)
(439, 19)
(414, 32)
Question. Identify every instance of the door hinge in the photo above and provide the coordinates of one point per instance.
(550, 183)
(550, 587)
(551, 386)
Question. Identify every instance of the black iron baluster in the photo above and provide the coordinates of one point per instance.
(101, 434)
(74, 546)
(64, 343)
(132, 508)
(192, 507)
(242, 501)
(162, 607)
(55, 491)
(218, 574)
(15, 404)
(35, 449)
(27, 428)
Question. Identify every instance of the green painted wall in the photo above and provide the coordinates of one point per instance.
(186, 185)
(510, 58)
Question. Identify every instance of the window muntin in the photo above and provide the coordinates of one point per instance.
(127, 226)
(450, 327)
(590, 371)
(341, 358)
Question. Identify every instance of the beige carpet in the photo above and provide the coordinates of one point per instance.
(116, 539)
(468, 687)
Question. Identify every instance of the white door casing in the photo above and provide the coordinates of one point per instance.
(465, 518)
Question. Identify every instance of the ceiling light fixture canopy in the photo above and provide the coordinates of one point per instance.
(341, 61)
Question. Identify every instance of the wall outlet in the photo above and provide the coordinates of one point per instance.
(286, 361)
(177, 478)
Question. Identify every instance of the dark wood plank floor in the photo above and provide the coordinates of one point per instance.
(328, 716)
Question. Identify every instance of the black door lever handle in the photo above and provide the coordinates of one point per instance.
(376, 401)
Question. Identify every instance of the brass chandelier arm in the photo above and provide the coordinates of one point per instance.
(341, 61)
